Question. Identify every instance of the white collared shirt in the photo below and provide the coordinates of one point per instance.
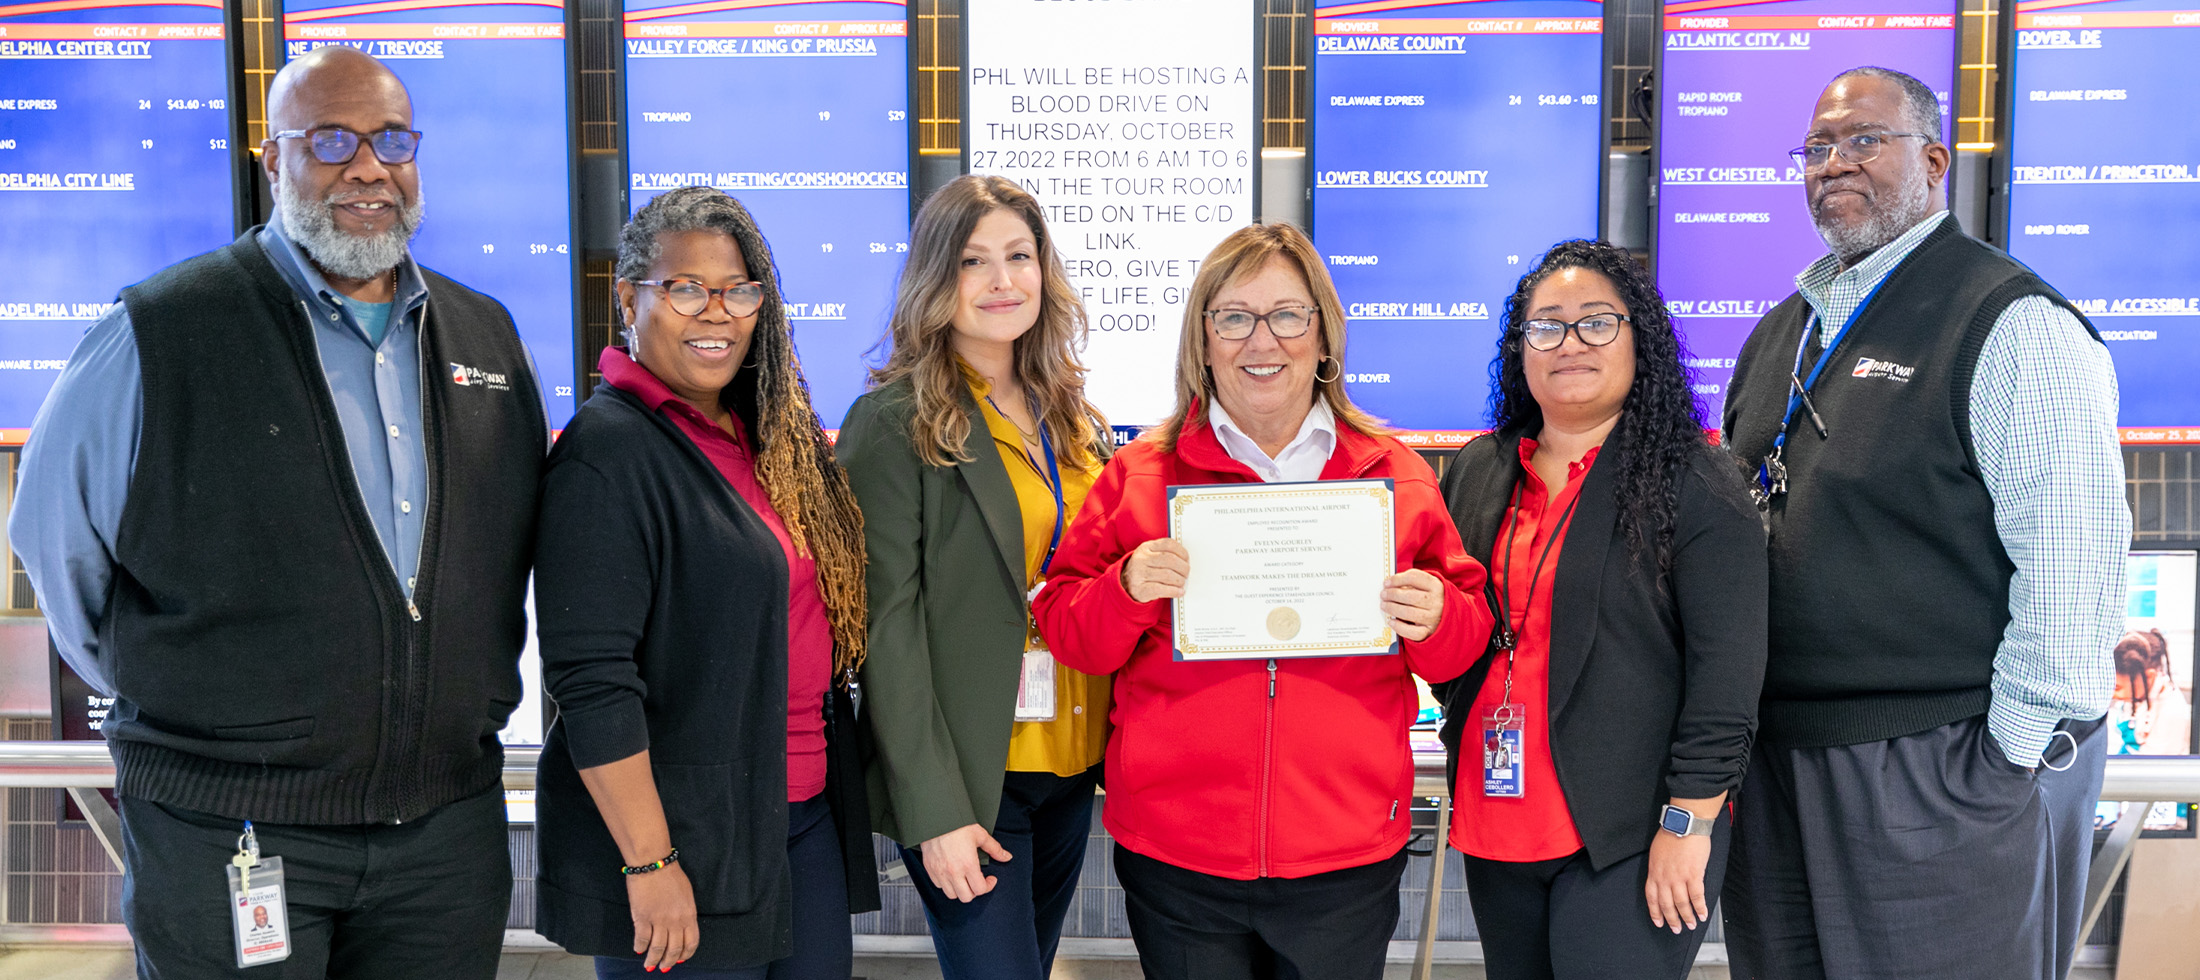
(1301, 460)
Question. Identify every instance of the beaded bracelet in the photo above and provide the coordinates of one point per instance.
(643, 869)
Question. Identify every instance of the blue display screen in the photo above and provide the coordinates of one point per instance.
(2104, 196)
(488, 85)
(1453, 143)
(800, 111)
(114, 163)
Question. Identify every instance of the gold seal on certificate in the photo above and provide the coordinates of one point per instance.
(1284, 569)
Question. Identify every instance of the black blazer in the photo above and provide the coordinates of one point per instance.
(662, 601)
(1654, 681)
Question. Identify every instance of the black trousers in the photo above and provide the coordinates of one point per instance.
(1929, 855)
(1192, 926)
(1564, 920)
(1011, 932)
(423, 900)
(824, 948)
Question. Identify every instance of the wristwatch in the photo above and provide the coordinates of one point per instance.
(1681, 823)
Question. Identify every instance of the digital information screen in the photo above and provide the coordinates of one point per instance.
(1738, 84)
(801, 111)
(1453, 143)
(114, 163)
(490, 98)
(1134, 125)
(2104, 195)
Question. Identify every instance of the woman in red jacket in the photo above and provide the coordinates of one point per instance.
(1260, 807)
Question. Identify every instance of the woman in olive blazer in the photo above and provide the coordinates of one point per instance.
(969, 457)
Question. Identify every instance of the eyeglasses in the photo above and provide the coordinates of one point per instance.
(335, 145)
(1284, 323)
(690, 298)
(1593, 331)
(1860, 148)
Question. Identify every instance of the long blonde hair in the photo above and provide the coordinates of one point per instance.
(1238, 258)
(794, 460)
(920, 335)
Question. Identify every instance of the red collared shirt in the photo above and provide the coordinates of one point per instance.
(1536, 826)
(809, 633)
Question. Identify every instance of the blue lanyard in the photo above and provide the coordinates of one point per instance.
(1796, 393)
(1054, 482)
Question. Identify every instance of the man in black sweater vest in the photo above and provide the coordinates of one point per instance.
(1932, 429)
(281, 505)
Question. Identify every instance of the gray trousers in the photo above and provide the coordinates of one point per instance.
(1925, 856)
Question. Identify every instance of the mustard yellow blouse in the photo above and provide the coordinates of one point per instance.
(1075, 740)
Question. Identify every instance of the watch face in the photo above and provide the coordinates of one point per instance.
(1676, 820)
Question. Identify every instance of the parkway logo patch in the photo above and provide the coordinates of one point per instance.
(473, 377)
(1869, 367)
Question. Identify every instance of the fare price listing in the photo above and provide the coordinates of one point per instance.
(1425, 221)
(489, 97)
(114, 144)
(1139, 146)
(830, 190)
(2104, 199)
(1738, 84)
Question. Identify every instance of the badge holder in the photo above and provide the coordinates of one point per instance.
(256, 907)
(1035, 685)
(1503, 741)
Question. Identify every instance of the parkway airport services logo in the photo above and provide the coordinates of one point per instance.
(473, 377)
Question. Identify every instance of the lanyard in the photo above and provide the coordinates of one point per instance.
(1053, 476)
(1502, 596)
(1772, 472)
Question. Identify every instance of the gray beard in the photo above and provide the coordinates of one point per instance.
(312, 224)
(1886, 222)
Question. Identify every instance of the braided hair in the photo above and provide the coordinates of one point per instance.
(794, 460)
(1660, 425)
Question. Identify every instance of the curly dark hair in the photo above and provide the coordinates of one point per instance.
(1660, 425)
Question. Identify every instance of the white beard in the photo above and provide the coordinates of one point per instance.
(1886, 221)
(312, 224)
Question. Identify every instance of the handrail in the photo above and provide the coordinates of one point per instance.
(65, 765)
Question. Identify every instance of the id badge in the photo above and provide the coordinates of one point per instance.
(1035, 689)
(257, 912)
(1502, 744)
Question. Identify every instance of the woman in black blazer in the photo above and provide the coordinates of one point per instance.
(1614, 711)
(699, 584)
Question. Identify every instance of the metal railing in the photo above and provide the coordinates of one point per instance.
(81, 767)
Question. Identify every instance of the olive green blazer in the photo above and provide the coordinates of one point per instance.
(946, 582)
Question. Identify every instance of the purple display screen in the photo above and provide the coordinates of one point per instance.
(1737, 86)
(2104, 196)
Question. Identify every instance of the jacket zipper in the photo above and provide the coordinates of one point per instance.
(1267, 774)
(417, 691)
(412, 606)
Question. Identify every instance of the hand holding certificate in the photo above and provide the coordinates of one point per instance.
(1280, 570)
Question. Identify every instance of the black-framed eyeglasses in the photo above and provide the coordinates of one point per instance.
(1284, 322)
(337, 145)
(1595, 330)
(1859, 149)
(690, 298)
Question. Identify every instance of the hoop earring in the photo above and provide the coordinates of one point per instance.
(1333, 376)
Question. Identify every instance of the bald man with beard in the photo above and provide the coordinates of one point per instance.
(1933, 433)
(281, 506)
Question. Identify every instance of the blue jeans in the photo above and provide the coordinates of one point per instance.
(824, 948)
(1011, 932)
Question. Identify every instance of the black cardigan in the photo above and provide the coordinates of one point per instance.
(1654, 683)
(662, 601)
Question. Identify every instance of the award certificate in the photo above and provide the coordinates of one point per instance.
(1284, 569)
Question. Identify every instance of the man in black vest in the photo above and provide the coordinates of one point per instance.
(281, 505)
(1933, 432)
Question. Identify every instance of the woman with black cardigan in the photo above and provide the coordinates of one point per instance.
(699, 584)
(1612, 716)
